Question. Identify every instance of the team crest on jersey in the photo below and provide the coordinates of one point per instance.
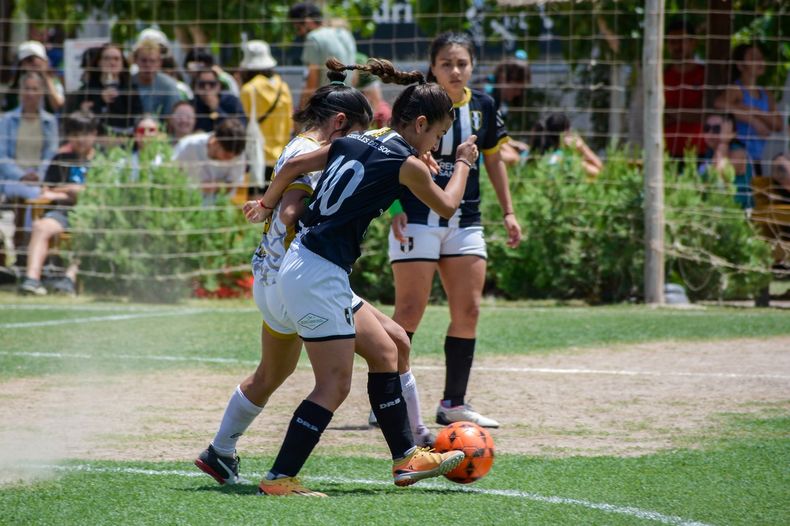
(312, 321)
(477, 119)
(408, 246)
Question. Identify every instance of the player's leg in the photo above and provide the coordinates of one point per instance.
(414, 264)
(280, 348)
(420, 432)
(378, 349)
(332, 362)
(409, 463)
(462, 270)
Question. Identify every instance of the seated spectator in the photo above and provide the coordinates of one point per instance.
(32, 56)
(200, 59)
(776, 165)
(555, 135)
(724, 150)
(754, 108)
(215, 161)
(272, 97)
(145, 131)
(684, 95)
(211, 104)
(108, 93)
(182, 121)
(28, 139)
(66, 176)
(511, 78)
(158, 92)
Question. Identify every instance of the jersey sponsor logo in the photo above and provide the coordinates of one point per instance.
(408, 246)
(477, 119)
(312, 321)
(349, 313)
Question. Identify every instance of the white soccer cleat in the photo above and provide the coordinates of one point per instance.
(462, 413)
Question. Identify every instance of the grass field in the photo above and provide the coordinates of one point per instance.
(130, 462)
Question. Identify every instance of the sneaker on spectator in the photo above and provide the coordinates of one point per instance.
(64, 285)
(462, 413)
(32, 286)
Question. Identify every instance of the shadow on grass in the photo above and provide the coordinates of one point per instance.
(332, 490)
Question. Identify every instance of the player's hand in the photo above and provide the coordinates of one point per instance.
(430, 162)
(399, 222)
(513, 230)
(467, 149)
(254, 212)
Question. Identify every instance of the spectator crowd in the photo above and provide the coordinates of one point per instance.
(212, 117)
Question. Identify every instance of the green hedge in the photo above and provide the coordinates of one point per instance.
(151, 239)
(585, 239)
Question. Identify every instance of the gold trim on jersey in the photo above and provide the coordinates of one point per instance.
(465, 100)
(497, 146)
(379, 133)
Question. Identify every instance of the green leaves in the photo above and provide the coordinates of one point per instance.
(147, 236)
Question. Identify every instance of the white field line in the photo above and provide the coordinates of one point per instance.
(535, 370)
(119, 308)
(92, 319)
(548, 499)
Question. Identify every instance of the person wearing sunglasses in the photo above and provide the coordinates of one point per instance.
(211, 104)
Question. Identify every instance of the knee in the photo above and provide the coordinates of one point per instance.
(469, 313)
(385, 359)
(336, 392)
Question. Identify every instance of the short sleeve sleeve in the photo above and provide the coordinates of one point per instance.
(496, 134)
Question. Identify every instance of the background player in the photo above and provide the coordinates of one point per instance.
(421, 242)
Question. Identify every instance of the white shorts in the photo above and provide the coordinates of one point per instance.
(317, 296)
(275, 318)
(430, 243)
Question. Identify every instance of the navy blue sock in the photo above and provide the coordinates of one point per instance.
(304, 431)
(458, 356)
(384, 392)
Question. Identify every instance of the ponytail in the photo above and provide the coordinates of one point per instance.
(419, 98)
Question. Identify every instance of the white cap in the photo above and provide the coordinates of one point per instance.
(257, 55)
(31, 48)
(156, 35)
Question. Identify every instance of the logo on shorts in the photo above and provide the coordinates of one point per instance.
(408, 246)
(349, 312)
(311, 321)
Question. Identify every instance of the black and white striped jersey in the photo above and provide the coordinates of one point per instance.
(475, 115)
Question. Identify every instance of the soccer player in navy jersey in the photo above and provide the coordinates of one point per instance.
(421, 242)
(363, 175)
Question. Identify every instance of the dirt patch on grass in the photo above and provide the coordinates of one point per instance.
(629, 400)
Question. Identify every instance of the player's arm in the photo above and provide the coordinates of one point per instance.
(292, 206)
(257, 211)
(416, 176)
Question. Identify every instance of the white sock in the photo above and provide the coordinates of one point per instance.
(237, 418)
(412, 396)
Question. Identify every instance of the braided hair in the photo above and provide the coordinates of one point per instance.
(419, 98)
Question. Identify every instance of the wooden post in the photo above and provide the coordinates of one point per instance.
(652, 62)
